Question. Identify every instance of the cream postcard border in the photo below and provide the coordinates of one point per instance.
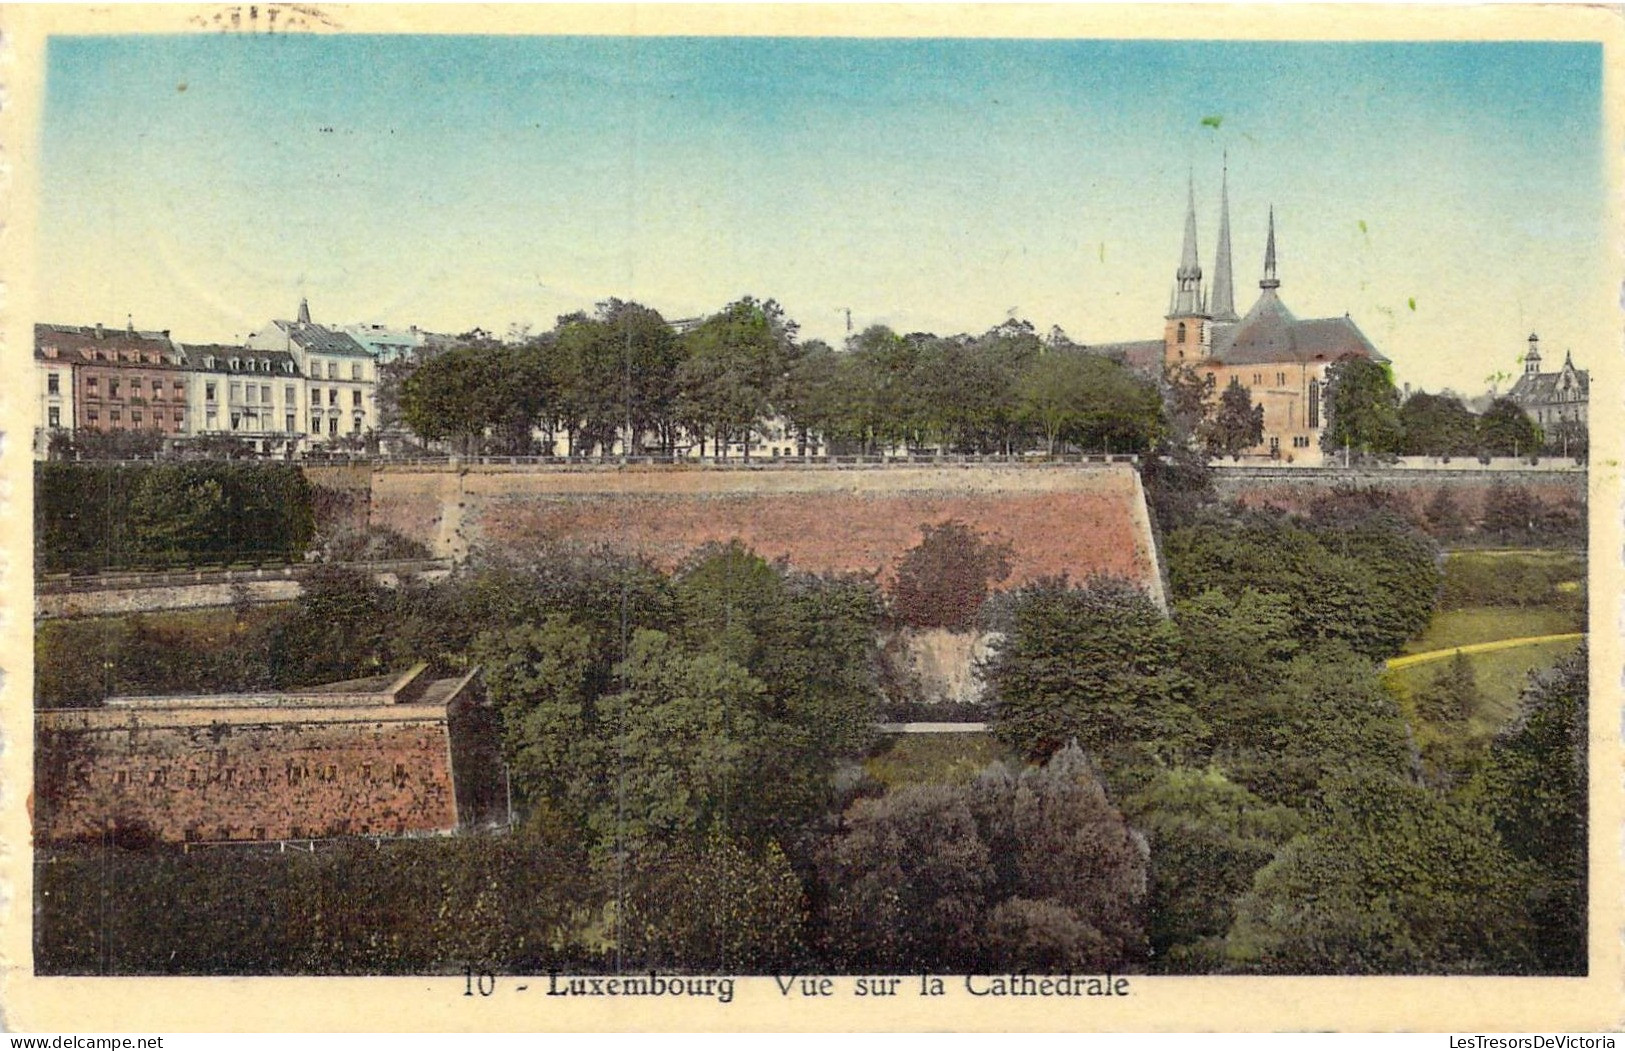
(131, 1005)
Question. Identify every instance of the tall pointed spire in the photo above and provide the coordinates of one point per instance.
(1188, 279)
(304, 311)
(1224, 299)
(1270, 282)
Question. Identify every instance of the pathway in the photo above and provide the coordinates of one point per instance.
(1478, 647)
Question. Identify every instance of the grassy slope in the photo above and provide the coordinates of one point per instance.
(1500, 675)
(1463, 627)
(901, 759)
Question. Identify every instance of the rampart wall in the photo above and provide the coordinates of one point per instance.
(1073, 519)
(276, 774)
(1294, 489)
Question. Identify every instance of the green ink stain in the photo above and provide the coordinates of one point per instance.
(181, 87)
(1213, 121)
(1103, 251)
(1413, 304)
(1363, 230)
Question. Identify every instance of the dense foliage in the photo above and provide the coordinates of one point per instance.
(1225, 786)
(94, 516)
(1036, 871)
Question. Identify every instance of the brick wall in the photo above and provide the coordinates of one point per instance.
(223, 775)
(1072, 519)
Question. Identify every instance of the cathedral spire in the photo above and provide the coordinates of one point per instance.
(1224, 299)
(1270, 282)
(1188, 279)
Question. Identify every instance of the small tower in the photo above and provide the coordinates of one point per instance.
(1224, 299)
(1185, 338)
(1531, 357)
(304, 311)
(1270, 282)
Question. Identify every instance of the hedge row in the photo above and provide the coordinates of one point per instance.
(107, 516)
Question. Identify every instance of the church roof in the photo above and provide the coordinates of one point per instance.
(1538, 387)
(1272, 333)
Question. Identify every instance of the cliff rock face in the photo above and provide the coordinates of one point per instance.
(937, 665)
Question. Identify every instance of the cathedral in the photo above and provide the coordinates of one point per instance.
(1279, 358)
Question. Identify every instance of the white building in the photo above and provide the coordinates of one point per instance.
(254, 395)
(340, 376)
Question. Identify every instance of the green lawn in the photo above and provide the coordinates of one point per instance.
(1500, 676)
(1463, 627)
(901, 759)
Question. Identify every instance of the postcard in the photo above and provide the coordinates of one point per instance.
(834, 518)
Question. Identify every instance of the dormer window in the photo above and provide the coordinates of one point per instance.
(236, 364)
(208, 362)
(287, 366)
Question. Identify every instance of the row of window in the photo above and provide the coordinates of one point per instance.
(92, 385)
(333, 370)
(261, 393)
(254, 364)
(94, 416)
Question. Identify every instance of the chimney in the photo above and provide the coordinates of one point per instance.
(99, 332)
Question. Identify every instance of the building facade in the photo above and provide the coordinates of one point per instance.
(392, 756)
(1556, 401)
(340, 376)
(253, 395)
(1280, 359)
(93, 378)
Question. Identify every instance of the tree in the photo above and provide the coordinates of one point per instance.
(1362, 407)
(1095, 663)
(1506, 430)
(685, 732)
(1536, 791)
(907, 884)
(1392, 879)
(541, 680)
(1187, 405)
(1511, 513)
(1328, 715)
(1237, 426)
(618, 370)
(456, 395)
(1057, 843)
(1088, 400)
(943, 580)
(1436, 425)
(1446, 520)
(734, 365)
(1208, 838)
(1452, 695)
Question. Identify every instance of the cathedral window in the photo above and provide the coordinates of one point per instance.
(1180, 337)
(1314, 403)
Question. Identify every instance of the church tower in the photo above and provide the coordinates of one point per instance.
(1224, 297)
(1531, 358)
(1186, 338)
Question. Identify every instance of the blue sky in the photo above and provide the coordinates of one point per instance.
(203, 183)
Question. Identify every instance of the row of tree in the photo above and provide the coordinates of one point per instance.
(624, 370)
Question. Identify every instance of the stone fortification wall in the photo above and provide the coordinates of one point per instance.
(256, 774)
(1073, 519)
(1294, 489)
